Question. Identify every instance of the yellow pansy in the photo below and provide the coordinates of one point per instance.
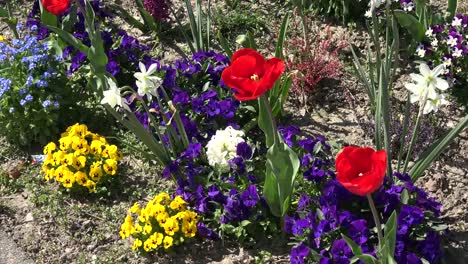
(189, 229)
(147, 228)
(168, 242)
(69, 159)
(135, 209)
(80, 162)
(57, 158)
(95, 173)
(90, 185)
(96, 147)
(178, 203)
(110, 166)
(61, 173)
(171, 226)
(81, 178)
(136, 244)
(162, 218)
(65, 143)
(49, 148)
(69, 180)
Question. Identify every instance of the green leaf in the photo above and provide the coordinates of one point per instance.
(355, 248)
(149, 20)
(3, 12)
(451, 9)
(281, 171)
(47, 18)
(69, 20)
(70, 39)
(415, 28)
(367, 259)
(436, 149)
(282, 37)
(224, 44)
(390, 234)
(265, 122)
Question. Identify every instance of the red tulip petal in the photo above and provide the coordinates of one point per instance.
(247, 66)
(243, 52)
(273, 69)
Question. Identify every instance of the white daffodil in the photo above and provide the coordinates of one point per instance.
(112, 96)
(146, 83)
(425, 86)
(429, 80)
(432, 105)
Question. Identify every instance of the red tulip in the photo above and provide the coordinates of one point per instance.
(250, 75)
(361, 170)
(56, 7)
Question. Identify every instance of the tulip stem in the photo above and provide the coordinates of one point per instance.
(375, 214)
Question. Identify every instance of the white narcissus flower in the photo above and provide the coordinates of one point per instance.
(112, 96)
(222, 147)
(426, 85)
(146, 83)
(432, 105)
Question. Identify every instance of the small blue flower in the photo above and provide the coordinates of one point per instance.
(56, 104)
(29, 98)
(46, 103)
(33, 28)
(22, 102)
(11, 110)
(22, 91)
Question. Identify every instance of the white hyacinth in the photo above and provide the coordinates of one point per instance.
(222, 147)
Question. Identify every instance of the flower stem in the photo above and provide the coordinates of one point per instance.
(422, 104)
(375, 214)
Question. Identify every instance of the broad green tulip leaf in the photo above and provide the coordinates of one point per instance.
(390, 234)
(415, 28)
(265, 122)
(281, 170)
(47, 18)
(69, 20)
(70, 39)
(281, 37)
(451, 9)
(436, 149)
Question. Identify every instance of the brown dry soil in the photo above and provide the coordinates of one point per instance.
(78, 231)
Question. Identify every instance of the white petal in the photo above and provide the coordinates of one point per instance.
(414, 98)
(438, 70)
(142, 67)
(418, 78)
(151, 69)
(431, 92)
(441, 84)
(424, 69)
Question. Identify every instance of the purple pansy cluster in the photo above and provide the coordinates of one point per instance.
(447, 40)
(447, 44)
(320, 219)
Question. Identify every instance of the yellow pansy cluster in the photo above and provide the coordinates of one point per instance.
(81, 158)
(162, 223)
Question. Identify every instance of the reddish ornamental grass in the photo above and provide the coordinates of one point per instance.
(361, 170)
(56, 7)
(250, 75)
